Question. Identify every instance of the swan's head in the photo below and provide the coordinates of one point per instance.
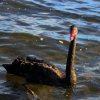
(73, 32)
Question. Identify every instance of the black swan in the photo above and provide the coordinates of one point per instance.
(39, 71)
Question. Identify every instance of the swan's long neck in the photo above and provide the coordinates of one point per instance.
(70, 70)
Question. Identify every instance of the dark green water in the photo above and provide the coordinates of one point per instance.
(38, 28)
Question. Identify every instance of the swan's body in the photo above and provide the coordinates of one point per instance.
(38, 71)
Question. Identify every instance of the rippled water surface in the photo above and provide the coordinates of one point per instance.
(41, 28)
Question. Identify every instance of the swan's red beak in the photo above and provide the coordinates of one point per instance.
(73, 32)
(71, 36)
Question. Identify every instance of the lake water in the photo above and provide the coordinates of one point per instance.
(41, 28)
